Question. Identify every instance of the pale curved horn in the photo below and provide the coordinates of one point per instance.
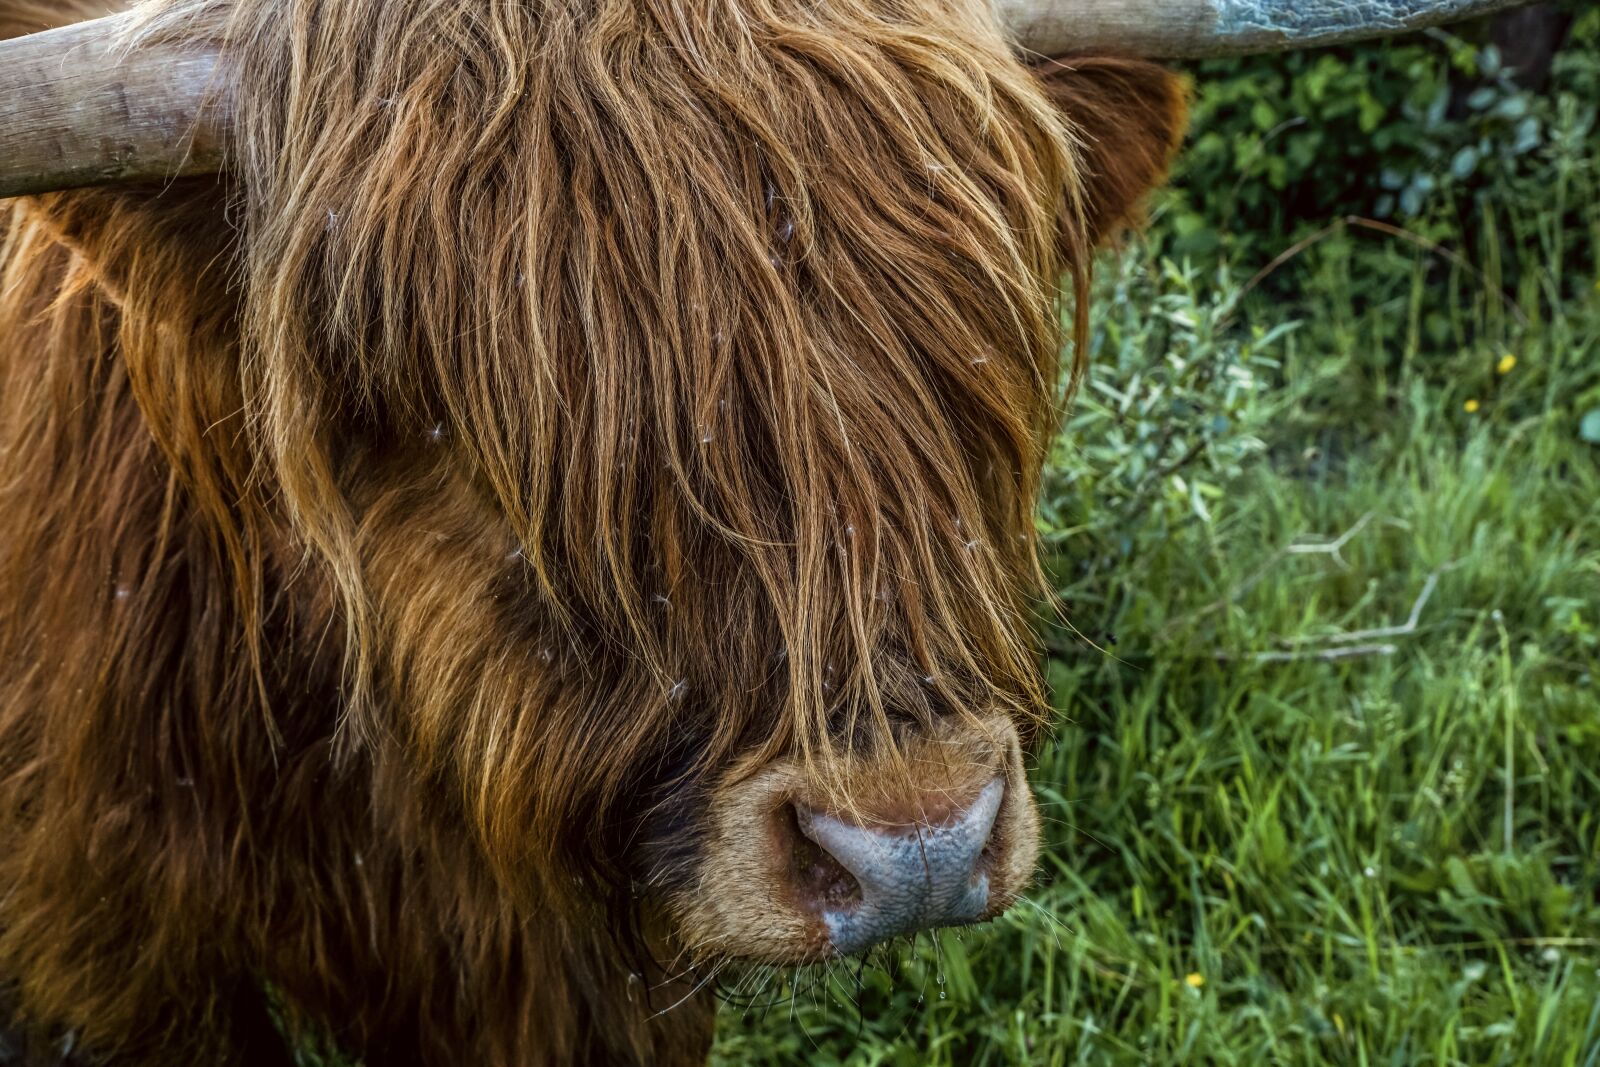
(79, 108)
(1196, 29)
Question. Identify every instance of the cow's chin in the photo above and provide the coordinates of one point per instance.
(795, 872)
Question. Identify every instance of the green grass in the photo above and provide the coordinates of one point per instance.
(1271, 839)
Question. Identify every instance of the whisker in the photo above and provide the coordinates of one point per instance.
(685, 998)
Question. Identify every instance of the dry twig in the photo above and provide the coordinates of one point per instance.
(1352, 643)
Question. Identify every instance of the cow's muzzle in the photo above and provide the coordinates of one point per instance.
(796, 869)
(876, 881)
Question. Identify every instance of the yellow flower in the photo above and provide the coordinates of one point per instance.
(1195, 980)
(1470, 407)
(1507, 362)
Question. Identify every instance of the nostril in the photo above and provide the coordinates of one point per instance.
(820, 881)
(875, 881)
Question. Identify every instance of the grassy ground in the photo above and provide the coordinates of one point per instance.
(1331, 792)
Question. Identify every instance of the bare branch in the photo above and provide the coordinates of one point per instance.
(1405, 629)
(1327, 655)
(1332, 548)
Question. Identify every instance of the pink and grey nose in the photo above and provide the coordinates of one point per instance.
(871, 883)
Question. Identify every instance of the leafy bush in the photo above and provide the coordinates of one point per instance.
(1433, 133)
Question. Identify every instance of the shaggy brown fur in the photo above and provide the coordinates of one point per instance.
(562, 413)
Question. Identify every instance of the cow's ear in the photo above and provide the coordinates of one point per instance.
(1129, 116)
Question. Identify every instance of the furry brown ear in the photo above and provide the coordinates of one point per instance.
(1130, 117)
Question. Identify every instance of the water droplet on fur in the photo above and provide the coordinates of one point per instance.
(677, 689)
(333, 219)
(185, 783)
(122, 592)
(635, 982)
(437, 433)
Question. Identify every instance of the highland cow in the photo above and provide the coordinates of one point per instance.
(552, 518)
